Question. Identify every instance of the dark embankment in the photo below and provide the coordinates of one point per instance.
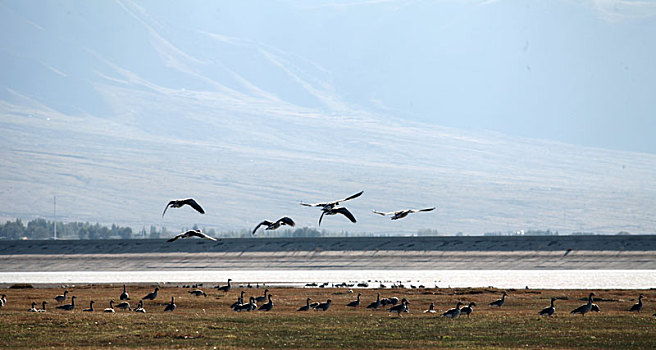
(532, 252)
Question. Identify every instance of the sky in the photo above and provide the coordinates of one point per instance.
(506, 115)
(578, 72)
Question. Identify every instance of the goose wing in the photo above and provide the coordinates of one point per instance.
(346, 213)
(265, 222)
(321, 217)
(418, 210)
(167, 206)
(176, 237)
(383, 213)
(286, 221)
(192, 203)
(349, 197)
(200, 234)
(314, 204)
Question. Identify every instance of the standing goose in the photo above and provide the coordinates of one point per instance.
(225, 288)
(268, 306)
(306, 307)
(60, 298)
(262, 298)
(190, 234)
(400, 214)
(453, 313)
(356, 302)
(499, 303)
(3, 300)
(431, 309)
(170, 306)
(140, 308)
(197, 293)
(124, 306)
(323, 306)
(90, 309)
(124, 295)
(549, 310)
(152, 295)
(68, 307)
(375, 304)
(467, 310)
(33, 308)
(111, 307)
(177, 203)
(585, 308)
(270, 225)
(637, 306)
(43, 307)
(240, 301)
(403, 307)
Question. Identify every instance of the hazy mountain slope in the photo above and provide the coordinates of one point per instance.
(116, 125)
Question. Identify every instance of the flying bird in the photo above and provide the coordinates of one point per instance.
(192, 233)
(400, 214)
(177, 203)
(335, 211)
(274, 225)
(333, 203)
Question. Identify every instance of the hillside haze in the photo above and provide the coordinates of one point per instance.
(116, 108)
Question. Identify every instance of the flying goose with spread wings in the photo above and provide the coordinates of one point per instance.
(274, 225)
(177, 203)
(192, 233)
(400, 214)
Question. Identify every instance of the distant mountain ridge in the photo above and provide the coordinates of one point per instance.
(116, 130)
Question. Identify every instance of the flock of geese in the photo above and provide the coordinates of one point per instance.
(327, 208)
(391, 304)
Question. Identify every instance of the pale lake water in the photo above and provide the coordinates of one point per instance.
(538, 279)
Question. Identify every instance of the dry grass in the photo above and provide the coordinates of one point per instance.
(208, 322)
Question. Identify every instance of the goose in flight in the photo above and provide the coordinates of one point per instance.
(333, 203)
(400, 214)
(177, 203)
(335, 211)
(274, 225)
(192, 233)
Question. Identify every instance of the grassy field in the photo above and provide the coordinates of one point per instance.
(208, 322)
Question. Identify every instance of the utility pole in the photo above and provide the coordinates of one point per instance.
(54, 200)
